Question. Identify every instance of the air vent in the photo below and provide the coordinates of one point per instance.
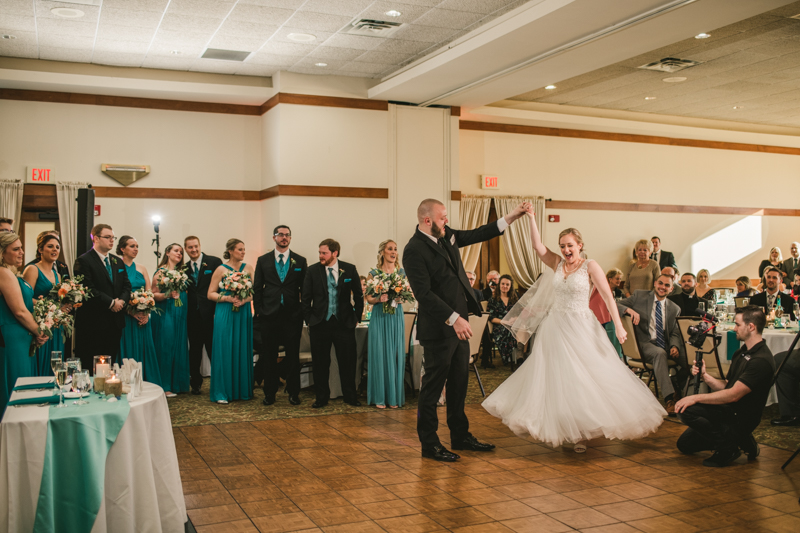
(670, 64)
(225, 55)
(372, 28)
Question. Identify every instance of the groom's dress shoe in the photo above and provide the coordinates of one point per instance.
(440, 453)
(294, 400)
(319, 404)
(471, 443)
(789, 421)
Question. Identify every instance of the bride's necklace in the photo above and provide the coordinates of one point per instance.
(580, 262)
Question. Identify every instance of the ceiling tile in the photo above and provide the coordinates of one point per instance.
(168, 62)
(311, 22)
(216, 66)
(287, 49)
(400, 46)
(285, 4)
(125, 33)
(72, 55)
(65, 41)
(17, 7)
(201, 8)
(117, 59)
(353, 41)
(254, 69)
(271, 16)
(137, 5)
(162, 49)
(476, 6)
(387, 58)
(15, 49)
(352, 74)
(428, 3)
(247, 29)
(121, 46)
(447, 18)
(22, 38)
(283, 35)
(264, 58)
(368, 68)
(330, 52)
(66, 27)
(347, 8)
(427, 34)
(176, 22)
(233, 42)
(43, 11)
(410, 12)
(10, 23)
(126, 17)
(310, 62)
(182, 38)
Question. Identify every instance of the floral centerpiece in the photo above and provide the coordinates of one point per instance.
(173, 281)
(237, 284)
(70, 292)
(394, 285)
(142, 302)
(50, 316)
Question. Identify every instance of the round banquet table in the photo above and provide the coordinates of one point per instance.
(142, 490)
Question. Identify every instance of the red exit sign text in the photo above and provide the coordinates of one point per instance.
(40, 175)
(490, 182)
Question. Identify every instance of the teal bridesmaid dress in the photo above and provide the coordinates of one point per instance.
(137, 341)
(171, 339)
(56, 343)
(232, 364)
(14, 359)
(386, 356)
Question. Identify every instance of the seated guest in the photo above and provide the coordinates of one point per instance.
(686, 298)
(775, 260)
(643, 272)
(655, 318)
(673, 273)
(743, 287)
(662, 257)
(792, 263)
(478, 293)
(486, 339)
(504, 299)
(788, 387)
(772, 296)
(492, 279)
(723, 420)
(703, 290)
(796, 286)
(6, 224)
(614, 277)
(598, 307)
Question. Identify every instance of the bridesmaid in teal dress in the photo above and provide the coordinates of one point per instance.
(137, 336)
(386, 355)
(16, 318)
(43, 276)
(232, 364)
(170, 334)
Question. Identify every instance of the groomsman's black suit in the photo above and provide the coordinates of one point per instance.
(339, 330)
(665, 259)
(97, 328)
(200, 315)
(441, 287)
(787, 302)
(688, 304)
(280, 316)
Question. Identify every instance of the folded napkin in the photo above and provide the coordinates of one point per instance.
(34, 386)
(36, 400)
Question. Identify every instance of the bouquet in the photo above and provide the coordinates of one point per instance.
(238, 285)
(395, 285)
(49, 316)
(173, 280)
(70, 292)
(142, 302)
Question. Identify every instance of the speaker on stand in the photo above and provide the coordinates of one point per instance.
(85, 220)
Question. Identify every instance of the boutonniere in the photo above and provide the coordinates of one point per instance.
(204, 264)
(114, 260)
(292, 261)
(341, 272)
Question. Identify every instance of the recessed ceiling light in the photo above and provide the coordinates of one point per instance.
(550, 87)
(175, 52)
(675, 79)
(738, 107)
(67, 12)
(7, 36)
(650, 97)
(393, 13)
(702, 36)
(301, 37)
(320, 64)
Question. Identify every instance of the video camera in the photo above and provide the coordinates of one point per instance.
(698, 333)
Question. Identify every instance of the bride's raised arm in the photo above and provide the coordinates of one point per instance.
(548, 257)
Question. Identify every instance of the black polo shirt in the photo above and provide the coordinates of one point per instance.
(755, 368)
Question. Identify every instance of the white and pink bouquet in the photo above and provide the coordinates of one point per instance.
(237, 284)
(395, 285)
(173, 281)
(71, 292)
(142, 302)
(50, 317)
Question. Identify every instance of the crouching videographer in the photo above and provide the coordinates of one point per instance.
(724, 420)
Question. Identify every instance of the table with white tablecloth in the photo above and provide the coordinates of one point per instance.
(142, 490)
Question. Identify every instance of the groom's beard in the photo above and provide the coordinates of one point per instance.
(437, 231)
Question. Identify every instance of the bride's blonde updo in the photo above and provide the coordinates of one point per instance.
(7, 238)
(575, 234)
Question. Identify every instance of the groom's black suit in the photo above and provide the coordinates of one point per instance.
(441, 287)
(200, 315)
(97, 328)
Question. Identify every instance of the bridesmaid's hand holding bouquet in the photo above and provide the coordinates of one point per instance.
(173, 281)
(239, 286)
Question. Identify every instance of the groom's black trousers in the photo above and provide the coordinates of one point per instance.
(447, 361)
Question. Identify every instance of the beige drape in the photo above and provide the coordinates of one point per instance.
(11, 200)
(474, 214)
(67, 197)
(523, 262)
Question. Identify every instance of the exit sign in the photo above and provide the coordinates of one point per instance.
(42, 175)
(490, 182)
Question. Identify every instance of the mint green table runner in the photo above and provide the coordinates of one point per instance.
(73, 475)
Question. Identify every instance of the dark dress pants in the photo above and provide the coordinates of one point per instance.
(343, 339)
(201, 333)
(711, 427)
(788, 384)
(445, 360)
(276, 331)
(486, 342)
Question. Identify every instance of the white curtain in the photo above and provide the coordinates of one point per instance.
(11, 200)
(474, 214)
(523, 262)
(67, 196)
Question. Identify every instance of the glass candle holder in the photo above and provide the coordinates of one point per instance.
(102, 366)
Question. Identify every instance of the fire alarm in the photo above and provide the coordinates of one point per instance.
(554, 218)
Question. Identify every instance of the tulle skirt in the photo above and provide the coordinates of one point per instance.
(574, 387)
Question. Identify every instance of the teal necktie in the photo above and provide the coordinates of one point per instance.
(281, 271)
(108, 268)
(332, 294)
(194, 271)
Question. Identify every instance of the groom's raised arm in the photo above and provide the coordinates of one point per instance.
(490, 230)
(420, 279)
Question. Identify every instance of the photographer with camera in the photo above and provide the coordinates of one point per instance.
(723, 420)
(492, 279)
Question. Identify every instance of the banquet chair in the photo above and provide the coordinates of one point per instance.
(476, 323)
(739, 301)
(633, 357)
(713, 366)
(410, 320)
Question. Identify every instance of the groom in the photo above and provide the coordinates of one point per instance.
(446, 299)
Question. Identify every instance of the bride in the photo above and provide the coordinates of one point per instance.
(573, 387)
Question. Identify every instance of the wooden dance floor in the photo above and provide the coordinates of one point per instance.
(363, 473)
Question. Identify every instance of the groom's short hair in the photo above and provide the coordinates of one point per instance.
(426, 207)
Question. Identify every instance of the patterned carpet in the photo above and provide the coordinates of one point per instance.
(189, 410)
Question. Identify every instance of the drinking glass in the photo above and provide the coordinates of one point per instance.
(61, 380)
(702, 306)
(796, 309)
(73, 365)
(55, 360)
(745, 302)
(80, 381)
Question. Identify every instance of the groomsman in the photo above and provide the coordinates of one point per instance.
(99, 321)
(277, 287)
(331, 289)
(200, 315)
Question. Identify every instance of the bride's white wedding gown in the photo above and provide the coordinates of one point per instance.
(574, 386)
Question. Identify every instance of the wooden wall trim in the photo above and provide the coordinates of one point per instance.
(624, 137)
(680, 209)
(455, 196)
(316, 190)
(332, 101)
(238, 195)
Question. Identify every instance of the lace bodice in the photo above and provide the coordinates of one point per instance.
(572, 292)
